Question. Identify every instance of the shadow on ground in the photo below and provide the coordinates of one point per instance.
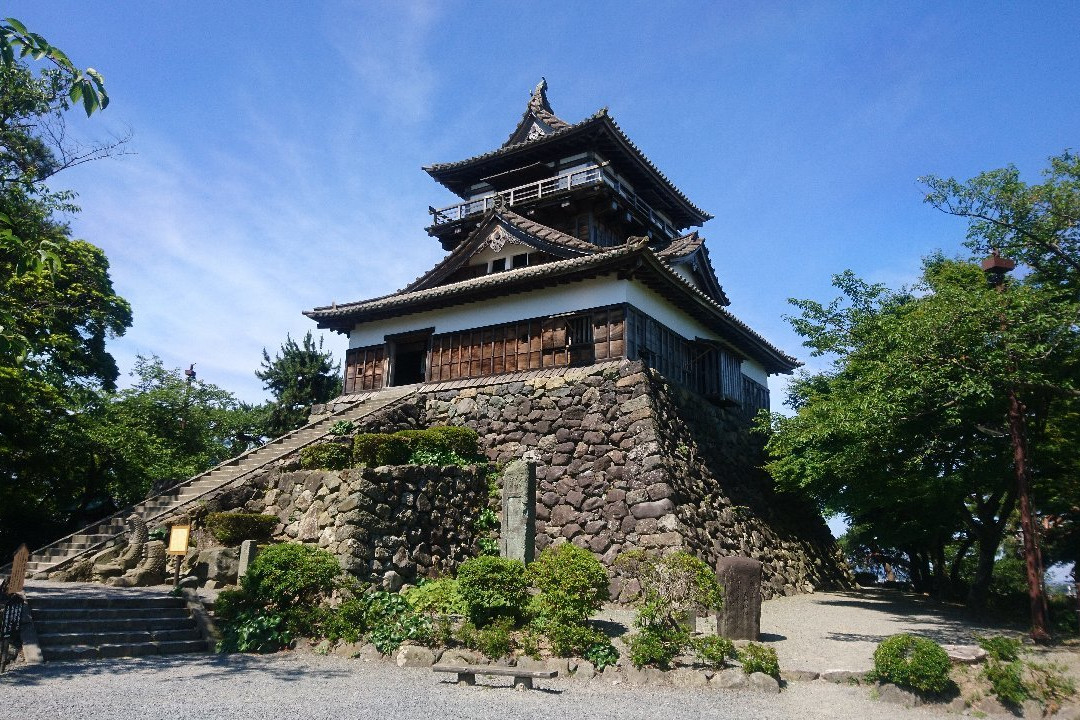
(193, 666)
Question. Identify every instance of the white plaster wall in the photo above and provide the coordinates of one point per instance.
(548, 301)
(686, 273)
(755, 372)
(654, 304)
(508, 251)
(538, 303)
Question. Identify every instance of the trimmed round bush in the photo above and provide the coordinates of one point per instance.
(374, 449)
(493, 587)
(571, 581)
(325, 456)
(462, 441)
(234, 528)
(912, 662)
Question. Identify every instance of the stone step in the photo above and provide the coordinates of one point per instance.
(95, 652)
(110, 602)
(120, 624)
(183, 493)
(117, 637)
(47, 615)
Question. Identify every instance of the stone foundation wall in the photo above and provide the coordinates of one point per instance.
(388, 525)
(626, 460)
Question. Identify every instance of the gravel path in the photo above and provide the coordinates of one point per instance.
(289, 686)
(824, 631)
(839, 631)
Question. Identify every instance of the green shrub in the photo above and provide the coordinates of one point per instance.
(494, 641)
(657, 645)
(1007, 681)
(528, 641)
(714, 650)
(373, 449)
(325, 456)
(912, 662)
(493, 587)
(999, 647)
(234, 528)
(572, 583)
(759, 658)
(672, 586)
(252, 631)
(602, 655)
(349, 620)
(570, 639)
(291, 577)
(437, 597)
(462, 441)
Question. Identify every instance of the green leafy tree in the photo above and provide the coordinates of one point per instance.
(298, 376)
(165, 429)
(906, 432)
(57, 304)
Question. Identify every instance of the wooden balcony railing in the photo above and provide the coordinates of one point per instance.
(591, 175)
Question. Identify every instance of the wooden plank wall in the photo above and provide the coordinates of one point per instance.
(364, 368)
(527, 345)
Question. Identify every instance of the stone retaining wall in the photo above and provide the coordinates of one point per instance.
(387, 525)
(627, 460)
(624, 459)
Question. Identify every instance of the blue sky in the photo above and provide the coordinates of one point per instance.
(276, 146)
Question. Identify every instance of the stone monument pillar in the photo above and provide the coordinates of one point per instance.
(740, 618)
(517, 537)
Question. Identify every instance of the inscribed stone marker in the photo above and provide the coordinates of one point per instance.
(517, 537)
(740, 618)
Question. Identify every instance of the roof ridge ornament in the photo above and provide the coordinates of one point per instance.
(538, 102)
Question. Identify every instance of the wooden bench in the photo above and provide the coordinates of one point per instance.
(523, 679)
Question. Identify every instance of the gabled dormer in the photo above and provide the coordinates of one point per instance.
(503, 240)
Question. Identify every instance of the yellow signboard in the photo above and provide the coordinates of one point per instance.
(178, 539)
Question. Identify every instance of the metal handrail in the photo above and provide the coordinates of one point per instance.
(166, 512)
(590, 175)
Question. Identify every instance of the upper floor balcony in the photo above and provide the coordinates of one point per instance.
(589, 175)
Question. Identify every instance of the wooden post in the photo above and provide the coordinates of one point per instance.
(18, 570)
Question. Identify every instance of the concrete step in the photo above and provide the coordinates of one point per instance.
(96, 652)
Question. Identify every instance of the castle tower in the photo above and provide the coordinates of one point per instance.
(568, 248)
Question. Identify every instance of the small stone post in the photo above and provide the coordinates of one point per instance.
(18, 570)
(740, 618)
(517, 537)
(247, 555)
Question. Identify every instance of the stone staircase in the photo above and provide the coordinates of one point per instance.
(153, 510)
(90, 628)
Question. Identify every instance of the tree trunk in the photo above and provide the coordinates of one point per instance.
(958, 561)
(986, 552)
(1040, 625)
